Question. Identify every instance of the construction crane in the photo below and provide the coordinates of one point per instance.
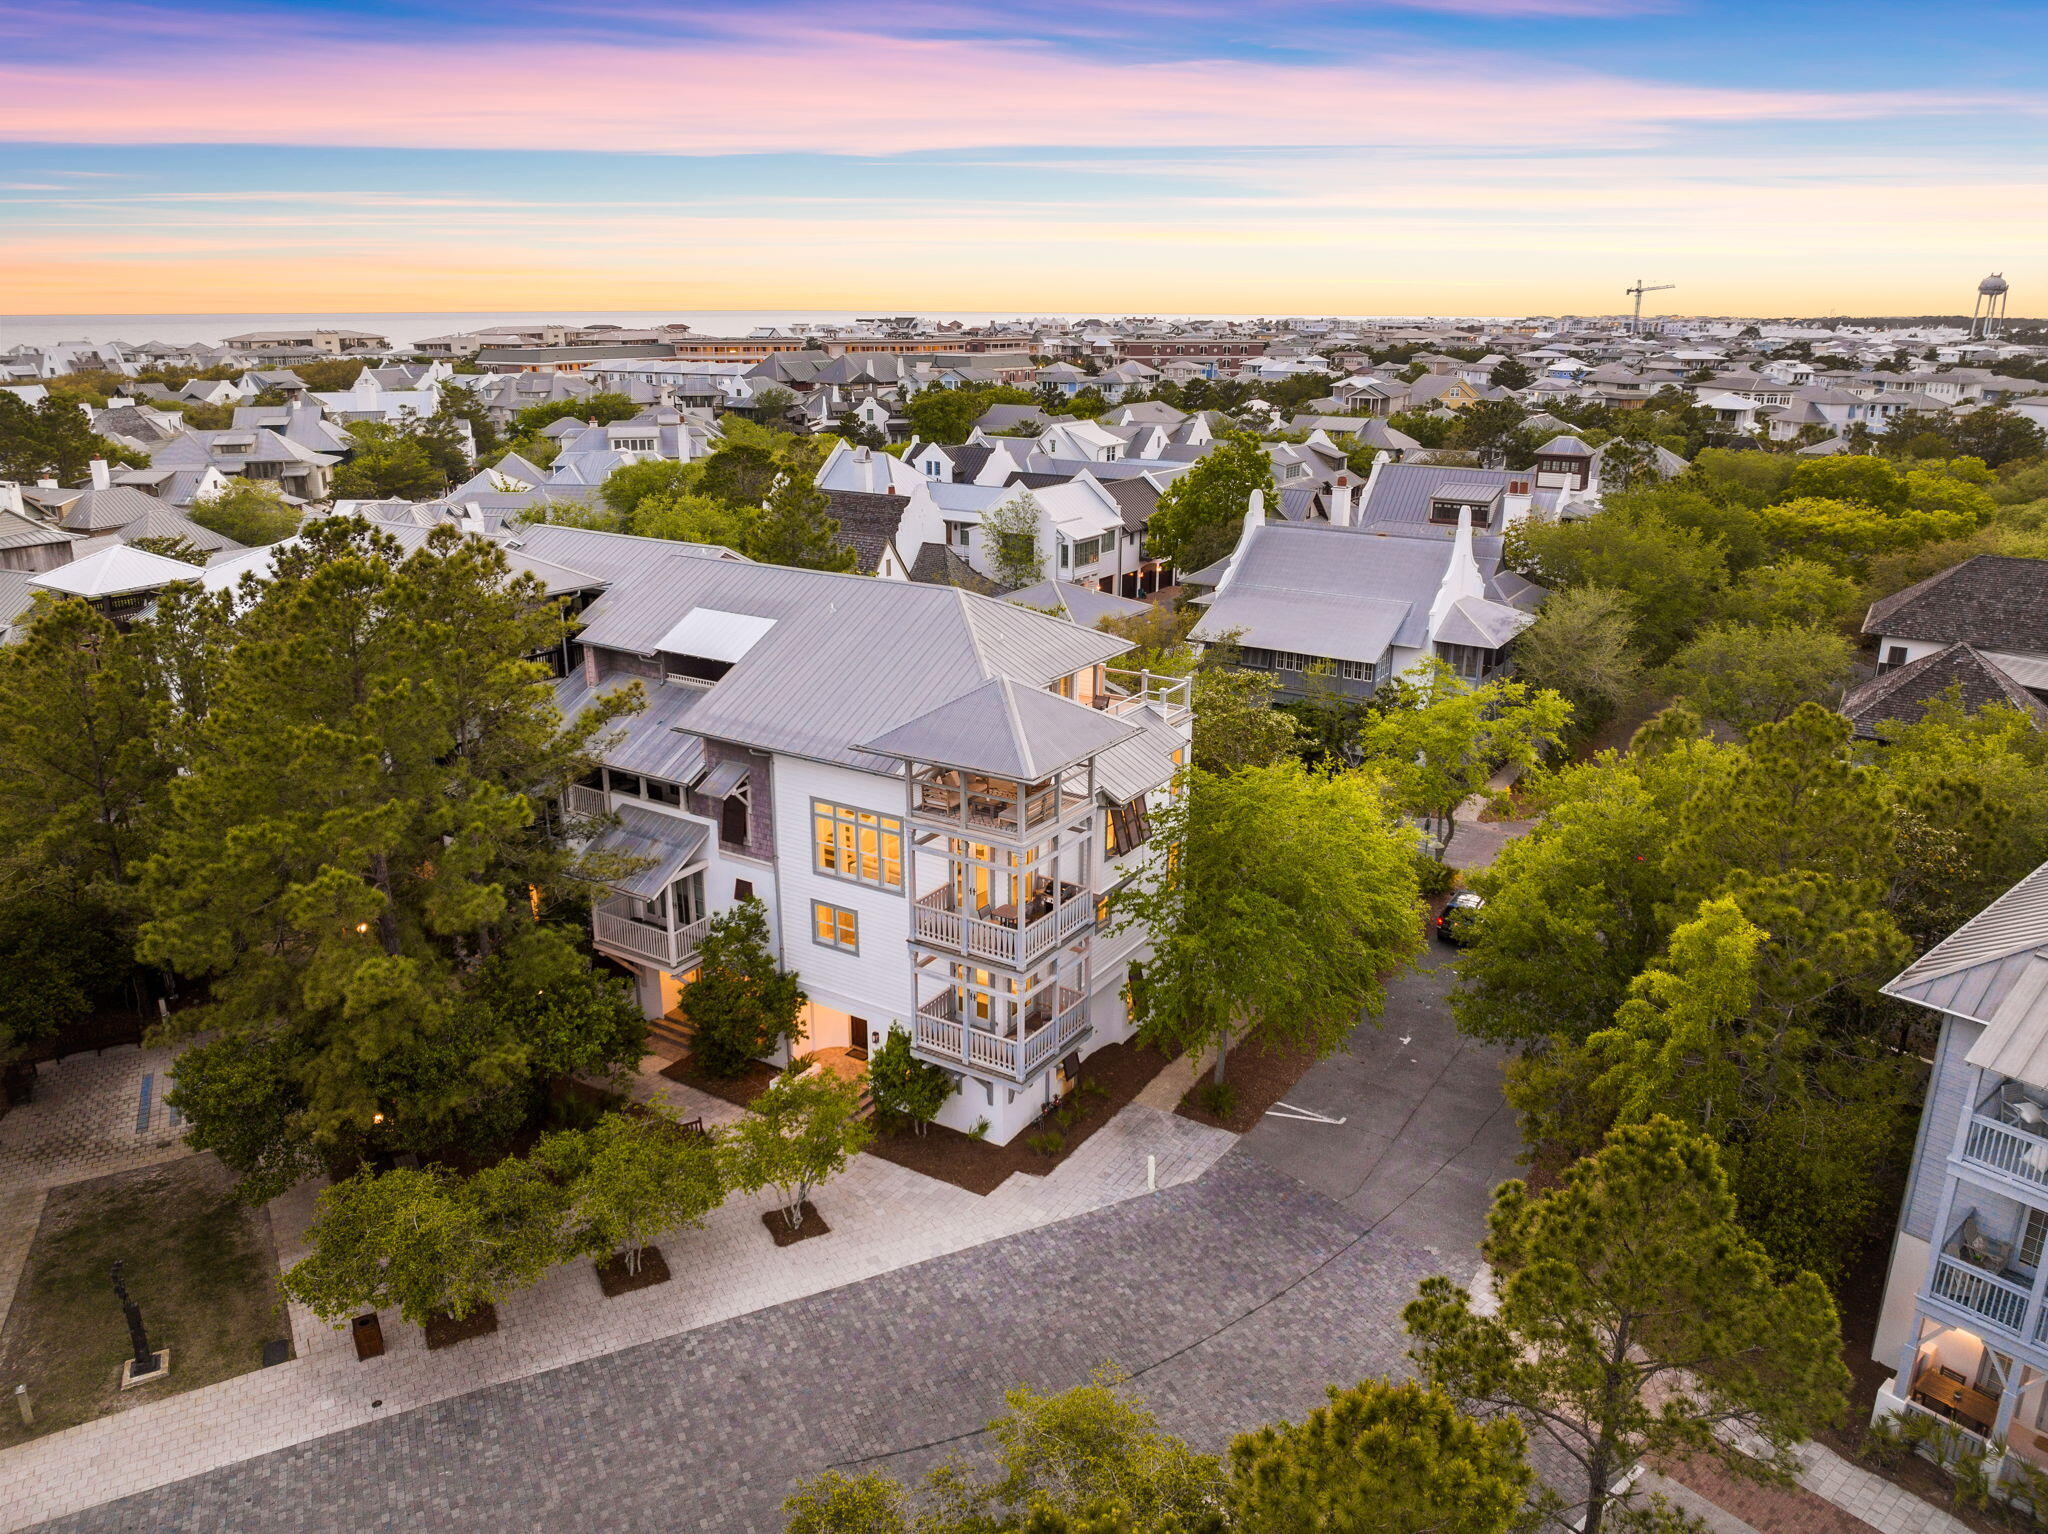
(1639, 290)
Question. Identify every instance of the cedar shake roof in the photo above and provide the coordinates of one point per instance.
(867, 523)
(937, 565)
(1902, 696)
(1993, 601)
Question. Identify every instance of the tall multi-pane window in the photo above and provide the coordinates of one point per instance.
(858, 845)
(2032, 1236)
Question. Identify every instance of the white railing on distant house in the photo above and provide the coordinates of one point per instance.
(584, 800)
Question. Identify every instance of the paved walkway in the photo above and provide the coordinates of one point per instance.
(1235, 1298)
(883, 1218)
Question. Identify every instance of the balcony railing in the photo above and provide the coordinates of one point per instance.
(1997, 1300)
(584, 800)
(994, 806)
(1127, 690)
(942, 1031)
(942, 924)
(2003, 1148)
(670, 948)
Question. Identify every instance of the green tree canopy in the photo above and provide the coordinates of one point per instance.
(1582, 647)
(797, 1135)
(53, 439)
(1747, 674)
(742, 1005)
(796, 527)
(1634, 1318)
(248, 511)
(352, 854)
(1201, 513)
(1380, 1458)
(1281, 899)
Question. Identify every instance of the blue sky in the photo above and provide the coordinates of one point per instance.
(1454, 156)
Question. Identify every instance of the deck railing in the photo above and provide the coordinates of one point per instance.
(940, 1031)
(1997, 1300)
(941, 923)
(670, 948)
(2006, 1149)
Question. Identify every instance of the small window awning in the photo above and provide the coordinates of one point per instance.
(669, 843)
(723, 780)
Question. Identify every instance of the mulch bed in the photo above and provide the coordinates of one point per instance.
(811, 1223)
(1260, 1075)
(738, 1090)
(614, 1280)
(445, 1331)
(1121, 1071)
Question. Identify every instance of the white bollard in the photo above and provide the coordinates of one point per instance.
(1151, 1174)
(24, 1406)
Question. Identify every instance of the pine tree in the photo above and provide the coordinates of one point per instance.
(796, 527)
(352, 855)
(1636, 1318)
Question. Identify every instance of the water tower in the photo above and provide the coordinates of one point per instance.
(1988, 317)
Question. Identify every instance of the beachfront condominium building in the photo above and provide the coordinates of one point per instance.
(1965, 1317)
(930, 792)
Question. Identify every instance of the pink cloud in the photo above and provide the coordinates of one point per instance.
(855, 92)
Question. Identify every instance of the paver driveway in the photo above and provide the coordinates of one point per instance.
(1235, 1298)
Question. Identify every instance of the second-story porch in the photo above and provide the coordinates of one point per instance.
(654, 912)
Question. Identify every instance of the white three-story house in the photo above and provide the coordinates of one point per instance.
(932, 793)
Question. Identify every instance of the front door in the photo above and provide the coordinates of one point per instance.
(857, 1039)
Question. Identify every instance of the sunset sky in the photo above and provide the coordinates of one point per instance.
(1156, 156)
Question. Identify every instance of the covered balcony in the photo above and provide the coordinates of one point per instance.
(955, 920)
(1010, 1037)
(1990, 1267)
(990, 806)
(2008, 1133)
(653, 866)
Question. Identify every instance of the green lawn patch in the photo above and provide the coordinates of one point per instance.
(202, 1267)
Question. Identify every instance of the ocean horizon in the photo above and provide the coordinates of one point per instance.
(405, 327)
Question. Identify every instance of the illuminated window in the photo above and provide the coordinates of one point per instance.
(857, 845)
(834, 926)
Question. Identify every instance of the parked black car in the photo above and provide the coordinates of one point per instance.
(1459, 918)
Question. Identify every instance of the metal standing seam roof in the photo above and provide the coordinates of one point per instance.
(1007, 730)
(1476, 621)
(723, 779)
(653, 742)
(1145, 761)
(1327, 625)
(115, 571)
(1972, 970)
(849, 657)
(670, 843)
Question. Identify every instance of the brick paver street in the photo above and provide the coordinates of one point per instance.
(1237, 1297)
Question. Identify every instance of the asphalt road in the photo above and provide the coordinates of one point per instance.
(1425, 1136)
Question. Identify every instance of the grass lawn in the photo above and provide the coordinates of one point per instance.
(202, 1267)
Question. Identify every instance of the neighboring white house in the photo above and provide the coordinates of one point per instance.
(1965, 1316)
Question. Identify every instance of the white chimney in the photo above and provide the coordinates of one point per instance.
(10, 499)
(101, 478)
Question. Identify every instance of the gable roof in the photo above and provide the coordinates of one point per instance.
(1084, 605)
(867, 523)
(1973, 971)
(1004, 729)
(1992, 601)
(1902, 695)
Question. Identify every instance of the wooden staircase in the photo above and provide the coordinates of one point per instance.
(672, 1031)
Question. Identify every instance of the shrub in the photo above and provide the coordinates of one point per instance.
(1434, 878)
(980, 1130)
(1218, 1099)
(1048, 1142)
